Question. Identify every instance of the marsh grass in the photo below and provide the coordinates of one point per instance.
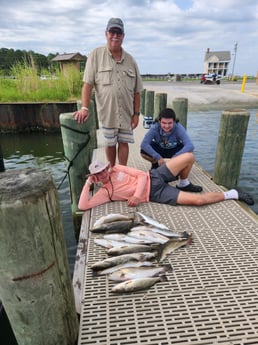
(27, 86)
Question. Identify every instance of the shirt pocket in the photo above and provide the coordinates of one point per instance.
(104, 75)
(130, 79)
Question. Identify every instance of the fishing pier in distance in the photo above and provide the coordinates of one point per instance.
(210, 298)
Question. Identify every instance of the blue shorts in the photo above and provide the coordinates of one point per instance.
(160, 190)
(112, 136)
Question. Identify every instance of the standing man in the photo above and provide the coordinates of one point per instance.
(116, 78)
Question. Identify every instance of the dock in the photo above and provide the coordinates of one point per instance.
(211, 296)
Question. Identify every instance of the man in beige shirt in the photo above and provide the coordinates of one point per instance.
(116, 78)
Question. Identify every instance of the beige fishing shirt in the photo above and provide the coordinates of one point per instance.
(115, 84)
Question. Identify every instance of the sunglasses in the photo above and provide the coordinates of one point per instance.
(117, 32)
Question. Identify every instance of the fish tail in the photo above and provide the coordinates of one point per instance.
(160, 251)
(168, 268)
(190, 239)
(186, 234)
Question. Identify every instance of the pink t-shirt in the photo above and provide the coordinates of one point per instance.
(125, 183)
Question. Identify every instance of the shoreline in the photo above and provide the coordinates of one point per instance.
(201, 97)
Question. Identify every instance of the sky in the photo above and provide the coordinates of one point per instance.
(165, 36)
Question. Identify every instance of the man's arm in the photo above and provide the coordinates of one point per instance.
(136, 106)
(88, 201)
(82, 115)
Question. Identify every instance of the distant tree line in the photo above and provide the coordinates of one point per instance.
(10, 57)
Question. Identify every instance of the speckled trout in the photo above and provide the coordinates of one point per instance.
(130, 273)
(137, 284)
(120, 259)
(112, 217)
(127, 264)
(152, 221)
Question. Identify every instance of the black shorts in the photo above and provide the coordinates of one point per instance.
(160, 190)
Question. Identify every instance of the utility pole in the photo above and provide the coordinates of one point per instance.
(234, 61)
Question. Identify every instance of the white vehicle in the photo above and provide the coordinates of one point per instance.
(211, 78)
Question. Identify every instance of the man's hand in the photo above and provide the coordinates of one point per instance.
(135, 121)
(133, 201)
(81, 115)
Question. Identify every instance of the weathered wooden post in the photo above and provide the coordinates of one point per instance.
(160, 103)
(2, 168)
(230, 147)
(142, 104)
(180, 106)
(149, 103)
(35, 282)
(79, 141)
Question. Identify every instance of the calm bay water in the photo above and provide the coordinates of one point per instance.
(203, 128)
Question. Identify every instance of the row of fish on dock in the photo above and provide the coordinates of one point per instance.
(136, 250)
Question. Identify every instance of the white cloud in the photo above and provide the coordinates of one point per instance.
(163, 36)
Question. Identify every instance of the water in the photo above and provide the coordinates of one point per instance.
(43, 151)
(203, 128)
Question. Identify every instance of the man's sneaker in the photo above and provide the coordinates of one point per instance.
(190, 188)
(245, 197)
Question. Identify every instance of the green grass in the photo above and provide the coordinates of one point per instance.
(26, 86)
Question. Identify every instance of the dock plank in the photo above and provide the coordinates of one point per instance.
(210, 298)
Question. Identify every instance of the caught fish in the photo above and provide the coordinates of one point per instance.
(164, 232)
(130, 248)
(124, 274)
(152, 221)
(109, 244)
(148, 235)
(120, 226)
(120, 259)
(170, 233)
(127, 264)
(170, 246)
(127, 239)
(138, 284)
(112, 217)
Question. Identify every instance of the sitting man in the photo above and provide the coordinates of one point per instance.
(166, 138)
(136, 186)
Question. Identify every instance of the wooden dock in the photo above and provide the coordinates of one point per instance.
(210, 298)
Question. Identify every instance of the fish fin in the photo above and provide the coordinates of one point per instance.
(163, 278)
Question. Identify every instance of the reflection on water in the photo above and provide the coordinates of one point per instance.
(203, 128)
(43, 151)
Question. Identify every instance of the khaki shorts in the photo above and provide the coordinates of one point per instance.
(113, 136)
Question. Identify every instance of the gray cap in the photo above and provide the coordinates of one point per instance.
(115, 23)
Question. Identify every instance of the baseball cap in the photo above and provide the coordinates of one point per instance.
(115, 23)
(96, 167)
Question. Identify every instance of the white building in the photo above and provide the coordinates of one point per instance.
(216, 62)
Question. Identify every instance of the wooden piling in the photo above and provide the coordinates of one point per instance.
(35, 282)
(79, 141)
(149, 103)
(142, 104)
(180, 106)
(230, 147)
(2, 168)
(160, 103)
